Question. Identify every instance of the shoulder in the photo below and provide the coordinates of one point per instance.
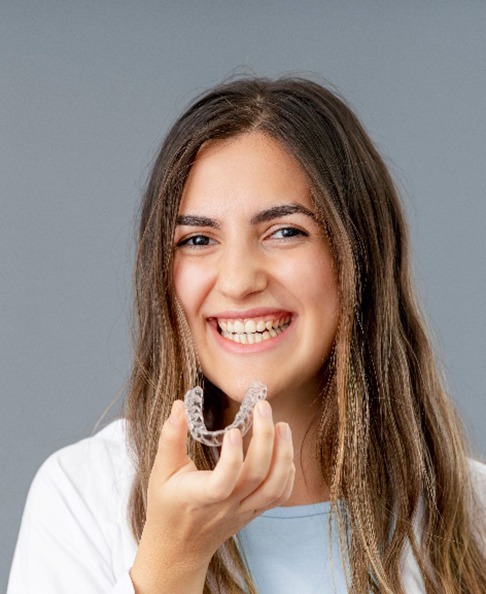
(74, 536)
(478, 511)
(108, 447)
(94, 473)
(478, 479)
(478, 469)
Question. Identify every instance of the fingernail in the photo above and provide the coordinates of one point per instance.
(264, 409)
(284, 431)
(235, 437)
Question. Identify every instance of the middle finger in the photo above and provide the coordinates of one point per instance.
(259, 455)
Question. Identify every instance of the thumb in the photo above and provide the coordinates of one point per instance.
(172, 449)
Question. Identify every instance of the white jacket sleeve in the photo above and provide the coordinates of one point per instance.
(478, 473)
(69, 529)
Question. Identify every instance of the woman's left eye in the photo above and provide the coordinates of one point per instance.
(287, 232)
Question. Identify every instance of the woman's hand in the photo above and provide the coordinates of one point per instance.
(190, 513)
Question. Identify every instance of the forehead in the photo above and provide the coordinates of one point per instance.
(246, 173)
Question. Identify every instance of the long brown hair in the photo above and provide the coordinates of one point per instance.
(389, 442)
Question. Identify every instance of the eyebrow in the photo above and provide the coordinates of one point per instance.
(261, 217)
(281, 211)
(195, 221)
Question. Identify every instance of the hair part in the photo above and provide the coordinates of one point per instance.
(389, 442)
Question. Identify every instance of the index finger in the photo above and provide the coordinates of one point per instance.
(223, 478)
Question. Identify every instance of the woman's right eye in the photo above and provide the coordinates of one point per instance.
(195, 241)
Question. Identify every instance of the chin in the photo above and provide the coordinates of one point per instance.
(235, 388)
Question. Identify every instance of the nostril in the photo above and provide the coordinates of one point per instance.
(241, 278)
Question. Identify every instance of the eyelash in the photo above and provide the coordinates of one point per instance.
(188, 241)
(295, 232)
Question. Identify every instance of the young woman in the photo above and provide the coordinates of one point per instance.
(272, 247)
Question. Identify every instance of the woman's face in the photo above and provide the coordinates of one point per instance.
(253, 271)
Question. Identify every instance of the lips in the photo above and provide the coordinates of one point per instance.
(252, 330)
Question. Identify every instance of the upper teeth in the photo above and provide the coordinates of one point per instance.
(252, 330)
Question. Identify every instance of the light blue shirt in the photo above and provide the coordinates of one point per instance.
(287, 551)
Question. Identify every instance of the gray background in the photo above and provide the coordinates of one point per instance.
(87, 90)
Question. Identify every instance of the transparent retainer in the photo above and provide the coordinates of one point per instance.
(193, 401)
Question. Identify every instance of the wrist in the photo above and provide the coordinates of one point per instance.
(153, 573)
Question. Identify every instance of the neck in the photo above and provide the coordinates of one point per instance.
(309, 486)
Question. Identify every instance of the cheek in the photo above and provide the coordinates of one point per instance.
(190, 283)
(316, 280)
(181, 282)
(320, 294)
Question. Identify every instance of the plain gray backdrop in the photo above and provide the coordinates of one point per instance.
(88, 90)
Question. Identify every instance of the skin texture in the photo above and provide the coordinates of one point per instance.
(283, 264)
(232, 262)
(190, 513)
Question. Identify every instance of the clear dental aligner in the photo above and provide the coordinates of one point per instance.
(193, 401)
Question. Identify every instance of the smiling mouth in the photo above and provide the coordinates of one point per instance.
(252, 330)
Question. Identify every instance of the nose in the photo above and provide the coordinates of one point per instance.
(241, 271)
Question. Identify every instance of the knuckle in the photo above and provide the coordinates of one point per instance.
(256, 477)
(218, 491)
(272, 492)
(291, 476)
(287, 457)
(234, 460)
(284, 497)
(265, 431)
(231, 468)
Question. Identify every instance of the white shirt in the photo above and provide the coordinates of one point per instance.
(75, 536)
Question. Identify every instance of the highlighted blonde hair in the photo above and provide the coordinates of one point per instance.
(388, 439)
